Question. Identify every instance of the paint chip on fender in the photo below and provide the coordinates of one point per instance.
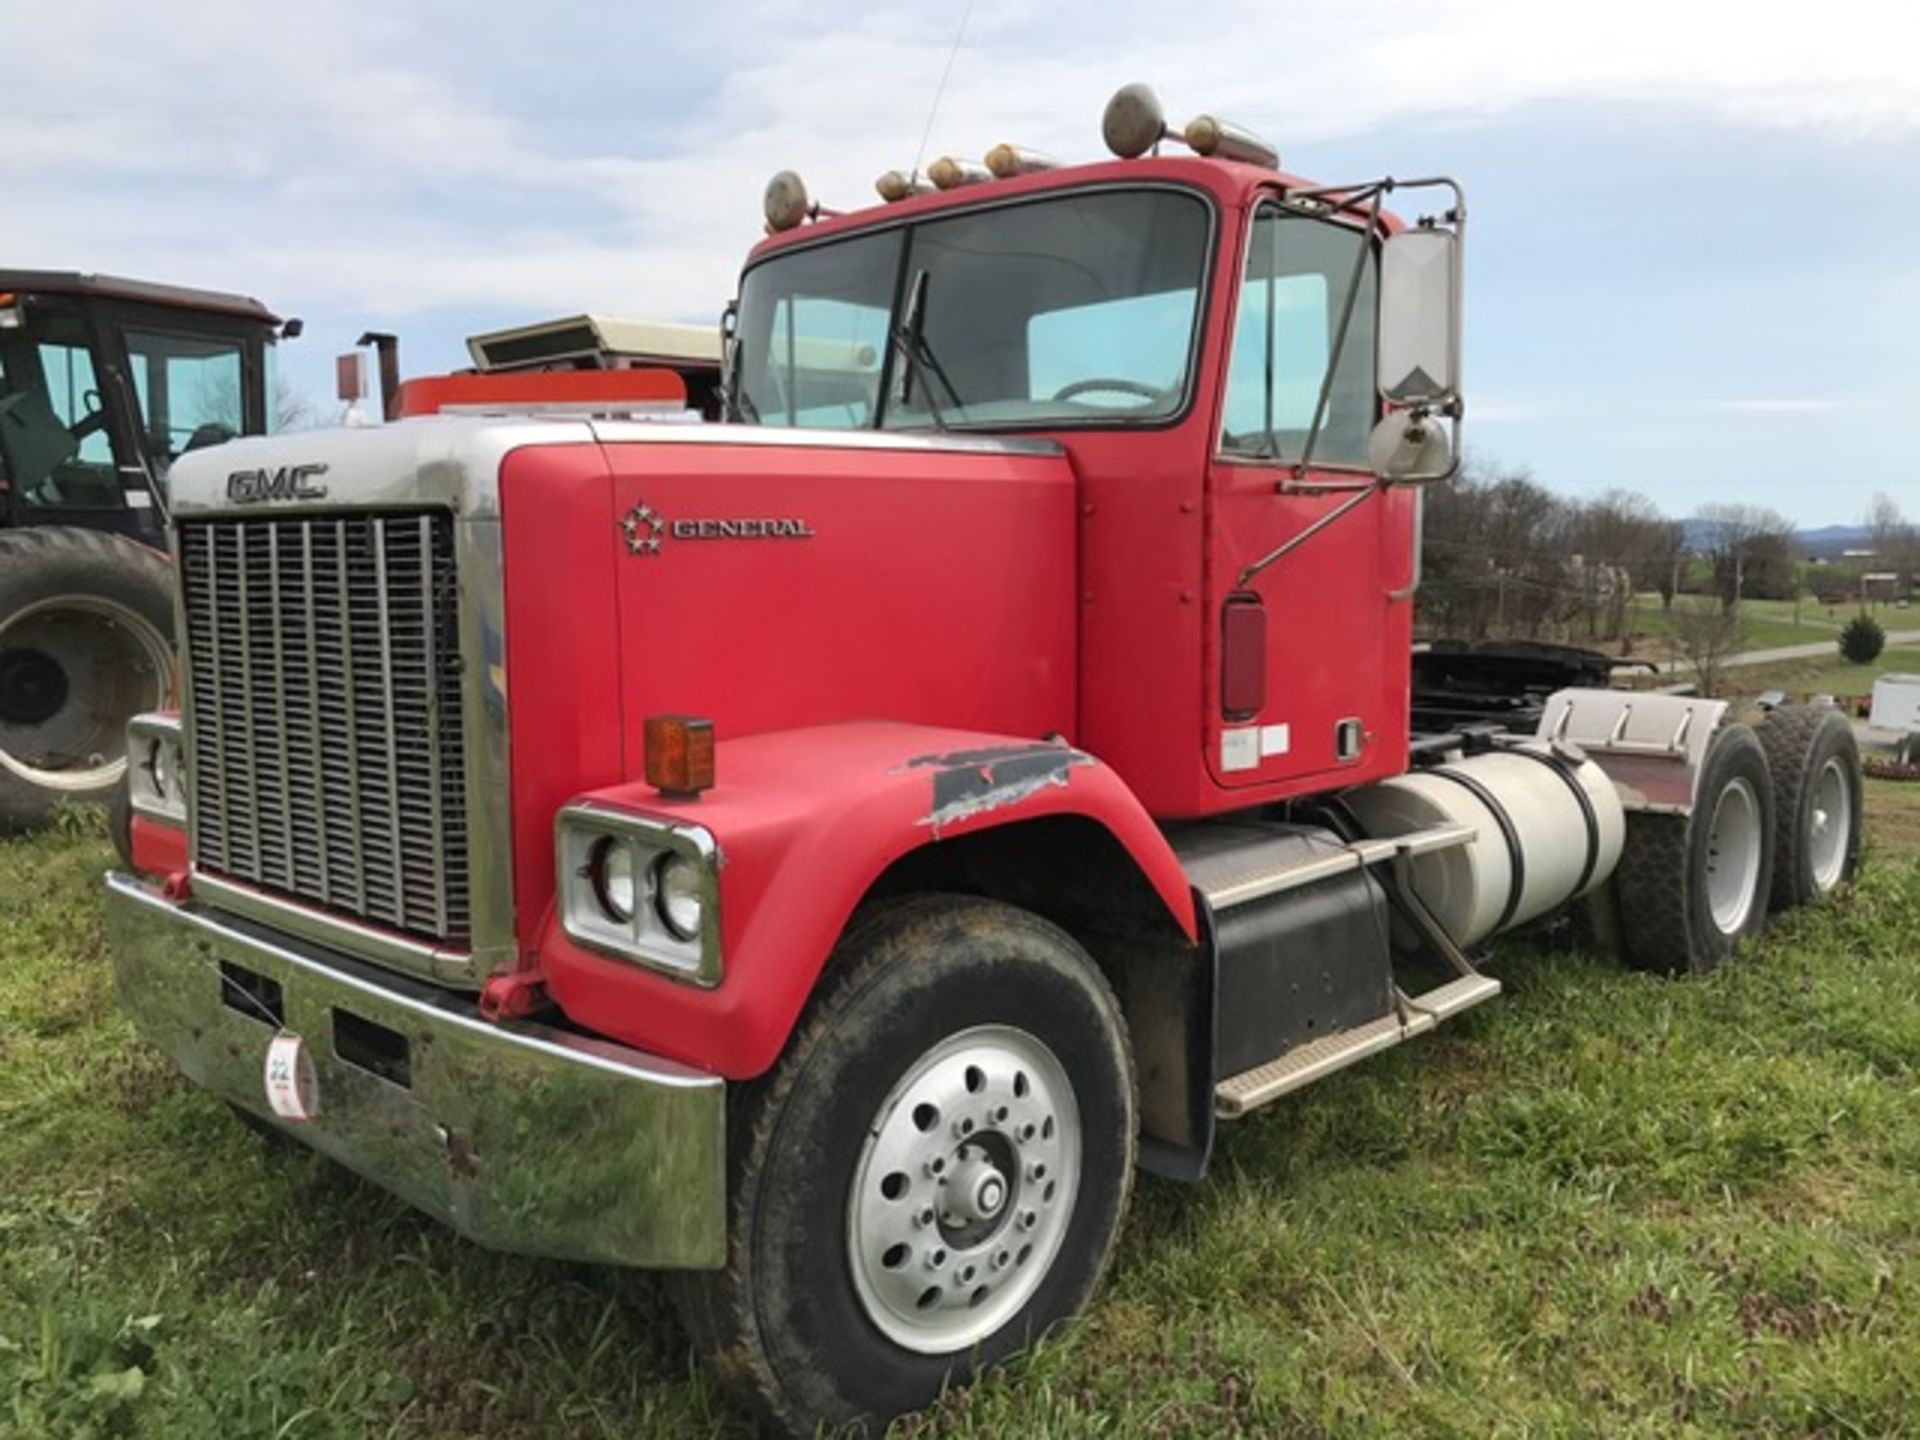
(972, 782)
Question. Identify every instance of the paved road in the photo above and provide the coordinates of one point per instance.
(1818, 649)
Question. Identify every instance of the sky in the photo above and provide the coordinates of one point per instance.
(1691, 268)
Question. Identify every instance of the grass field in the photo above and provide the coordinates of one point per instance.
(1770, 623)
(1822, 674)
(1609, 1205)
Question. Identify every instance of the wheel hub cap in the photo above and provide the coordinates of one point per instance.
(73, 670)
(1734, 842)
(964, 1190)
(1832, 827)
(33, 687)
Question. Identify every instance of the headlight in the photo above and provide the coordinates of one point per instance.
(679, 895)
(640, 889)
(159, 769)
(615, 885)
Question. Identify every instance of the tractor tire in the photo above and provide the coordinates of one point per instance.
(1691, 887)
(933, 1175)
(1818, 802)
(86, 643)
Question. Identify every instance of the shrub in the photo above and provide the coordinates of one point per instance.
(1863, 640)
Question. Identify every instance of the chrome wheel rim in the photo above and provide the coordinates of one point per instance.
(76, 669)
(1830, 825)
(964, 1189)
(1733, 856)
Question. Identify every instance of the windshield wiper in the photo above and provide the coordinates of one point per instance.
(911, 343)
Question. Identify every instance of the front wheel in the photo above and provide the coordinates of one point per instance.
(933, 1176)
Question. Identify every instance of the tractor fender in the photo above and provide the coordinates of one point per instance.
(805, 821)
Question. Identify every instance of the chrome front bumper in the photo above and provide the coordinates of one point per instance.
(520, 1137)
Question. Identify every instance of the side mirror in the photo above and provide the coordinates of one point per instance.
(1411, 447)
(1420, 318)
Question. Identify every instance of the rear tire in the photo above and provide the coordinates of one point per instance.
(86, 643)
(932, 1176)
(1691, 887)
(1818, 802)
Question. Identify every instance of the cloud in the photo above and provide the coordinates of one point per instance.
(383, 160)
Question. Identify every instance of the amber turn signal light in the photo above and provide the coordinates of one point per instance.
(678, 754)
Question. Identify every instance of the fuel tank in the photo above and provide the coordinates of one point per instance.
(1547, 826)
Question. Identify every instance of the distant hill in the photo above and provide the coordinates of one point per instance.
(1828, 541)
(1824, 542)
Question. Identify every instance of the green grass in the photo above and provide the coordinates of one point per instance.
(1770, 623)
(1606, 1205)
(1822, 674)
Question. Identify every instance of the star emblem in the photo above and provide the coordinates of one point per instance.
(643, 528)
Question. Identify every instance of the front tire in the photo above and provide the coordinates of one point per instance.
(1692, 887)
(934, 1174)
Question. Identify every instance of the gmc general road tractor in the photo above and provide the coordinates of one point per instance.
(821, 854)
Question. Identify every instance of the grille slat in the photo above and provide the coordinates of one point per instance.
(323, 678)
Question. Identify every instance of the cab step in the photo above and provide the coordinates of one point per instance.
(1301, 1066)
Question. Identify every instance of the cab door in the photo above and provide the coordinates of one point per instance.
(1308, 652)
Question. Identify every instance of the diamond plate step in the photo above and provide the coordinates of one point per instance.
(1235, 864)
(1301, 1066)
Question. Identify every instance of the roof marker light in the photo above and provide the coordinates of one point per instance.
(1222, 139)
(1007, 161)
(1134, 122)
(899, 185)
(786, 203)
(950, 174)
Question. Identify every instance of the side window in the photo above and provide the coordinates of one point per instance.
(1285, 324)
(75, 396)
(54, 439)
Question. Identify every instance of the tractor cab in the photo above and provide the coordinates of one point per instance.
(105, 382)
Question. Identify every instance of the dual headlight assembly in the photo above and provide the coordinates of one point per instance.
(640, 890)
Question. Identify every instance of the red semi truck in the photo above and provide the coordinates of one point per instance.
(823, 854)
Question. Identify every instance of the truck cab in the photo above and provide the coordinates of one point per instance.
(824, 852)
(1166, 324)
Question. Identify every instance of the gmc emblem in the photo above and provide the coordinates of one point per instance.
(289, 482)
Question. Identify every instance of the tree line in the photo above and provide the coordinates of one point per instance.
(1505, 557)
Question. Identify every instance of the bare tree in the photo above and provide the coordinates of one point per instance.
(1707, 634)
(1751, 548)
(292, 410)
(1895, 541)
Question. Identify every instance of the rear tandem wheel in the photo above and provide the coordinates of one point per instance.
(1690, 888)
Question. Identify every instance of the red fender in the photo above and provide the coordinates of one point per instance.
(806, 821)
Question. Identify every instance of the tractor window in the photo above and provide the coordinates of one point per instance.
(813, 334)
(54, 439)
(1298, 269)
(190, 389)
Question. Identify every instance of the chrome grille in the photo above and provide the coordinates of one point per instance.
(323, 686)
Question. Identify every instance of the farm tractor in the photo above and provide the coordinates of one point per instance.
(822, 854)
(104, 384)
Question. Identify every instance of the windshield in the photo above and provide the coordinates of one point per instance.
(1077, 309)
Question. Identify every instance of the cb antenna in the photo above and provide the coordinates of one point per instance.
(940, 90)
